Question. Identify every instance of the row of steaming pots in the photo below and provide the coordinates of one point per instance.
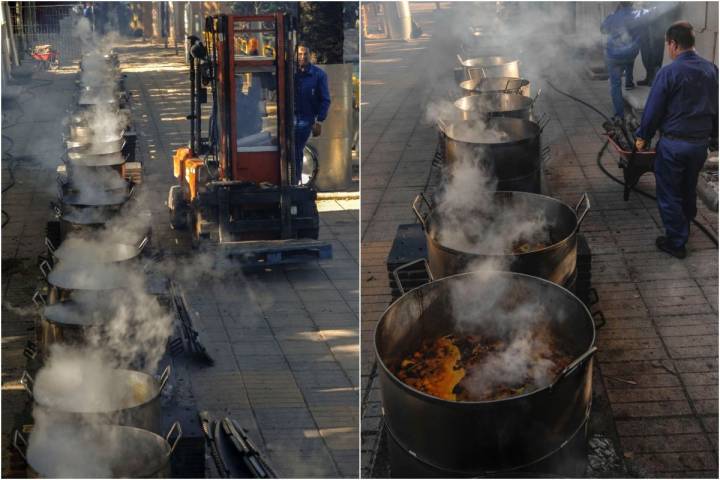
(449, 438)
(75, 282)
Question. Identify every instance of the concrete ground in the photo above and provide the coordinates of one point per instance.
(284, 340)
(658, 352)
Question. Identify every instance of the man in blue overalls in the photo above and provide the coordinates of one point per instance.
(683, 106)
(622, 47)
(312, 101)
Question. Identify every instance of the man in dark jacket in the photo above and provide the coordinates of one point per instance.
(683, 107)
(621, 49)
(312, 102)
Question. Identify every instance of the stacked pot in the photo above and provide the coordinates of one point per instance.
(92, 179)
(89, 396)
(494, 130)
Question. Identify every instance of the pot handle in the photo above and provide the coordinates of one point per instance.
(574, 365)
(416, 209)
(460, 59)
(164, 376)
(175, 426)
(402, 267)
(16, 443)
(442, 125)
(44, 265)
(545, 155)
(543, 122)
(56, 209)
(581, 216)
(39, 299)
(532, 105)
(142, 244)
(27, 382)
(49, 245)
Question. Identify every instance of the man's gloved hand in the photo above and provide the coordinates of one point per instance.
(639, 144)
(316, 129)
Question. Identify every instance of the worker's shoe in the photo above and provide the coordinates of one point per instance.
(663, 244)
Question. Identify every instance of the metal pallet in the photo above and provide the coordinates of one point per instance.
(276, 252)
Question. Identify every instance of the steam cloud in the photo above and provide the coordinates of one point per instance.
(127, 326)
(468, 217)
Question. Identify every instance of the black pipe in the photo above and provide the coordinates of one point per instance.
(702, 227)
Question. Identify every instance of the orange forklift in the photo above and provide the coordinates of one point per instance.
(235, 187)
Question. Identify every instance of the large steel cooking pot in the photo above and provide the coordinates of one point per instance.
(85, 135)
(83, 159)
(84, 251)
(83, 216)
(95, 148)
(94, 186)
(489, 105)
(555, 263)
(94, 276)
(80, 450)
(490, 66)
(509, 148)
(122, 397)
(110, 143)
(95, 198)
(496, 85)
(68, 321)
(470, 438)
(84, 115)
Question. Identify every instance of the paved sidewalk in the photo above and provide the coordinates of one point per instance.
(658, 352)
(285, 340)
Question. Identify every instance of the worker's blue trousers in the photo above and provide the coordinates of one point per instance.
(616, 68)
(302, 133)
(677, 166)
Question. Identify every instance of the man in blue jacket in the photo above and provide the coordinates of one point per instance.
(683, 107)
(623, 44)
(312, 101)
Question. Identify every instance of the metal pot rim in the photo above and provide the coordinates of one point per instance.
(157, 383)
(449, 127)
(494, 61)
(526, 103)
(498, 255)
(146, 472)
(467, 84)
(456, 404)
(110, 245)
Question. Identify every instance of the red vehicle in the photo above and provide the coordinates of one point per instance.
(46, 56)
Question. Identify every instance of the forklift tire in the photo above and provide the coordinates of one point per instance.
(177, 208)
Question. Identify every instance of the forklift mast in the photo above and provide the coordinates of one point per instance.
(253, 58)
(235, 184)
